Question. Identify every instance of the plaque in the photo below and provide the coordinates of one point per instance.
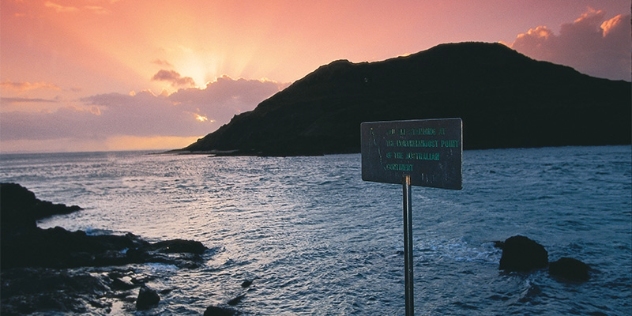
(430, 151)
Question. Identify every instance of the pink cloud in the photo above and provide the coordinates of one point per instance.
(142, 114)
(162, 62)
(26, 86)
(97, 9)
(174, 77)
(590, 44)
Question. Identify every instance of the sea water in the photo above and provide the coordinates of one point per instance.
(317, 240)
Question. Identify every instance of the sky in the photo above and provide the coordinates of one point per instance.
(105, 75)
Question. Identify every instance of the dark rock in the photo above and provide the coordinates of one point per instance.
(521, 254)
(28, 290)
(59, 248)
(16, 203)
(122, 284)
(246, 283)
(45, 209)
(166, 291)
(569, 269)
(20, 208)
(220, 311)
(179, 246)
(25, 245)
(236, 300)
(147, 298)
(28, 253)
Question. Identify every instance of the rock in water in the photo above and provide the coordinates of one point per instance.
(20, 208)
(569, 269)
(220, 311)
(521, 254)
(179, 246)
(236, 300)
(147, 298)
(16, 207)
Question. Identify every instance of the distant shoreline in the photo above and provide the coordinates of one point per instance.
(233, 154)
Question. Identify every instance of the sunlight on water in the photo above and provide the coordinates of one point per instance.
(315, 239)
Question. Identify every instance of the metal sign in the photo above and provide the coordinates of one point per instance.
(430, 151)
(415, 152)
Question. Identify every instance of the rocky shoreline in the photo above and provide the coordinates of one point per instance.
(55, 270)
(58, 271)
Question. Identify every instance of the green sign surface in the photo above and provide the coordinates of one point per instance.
(430, 151)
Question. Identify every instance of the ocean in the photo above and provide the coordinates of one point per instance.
(317, 240)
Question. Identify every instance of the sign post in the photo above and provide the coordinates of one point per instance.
(413, 152)
(408, 248)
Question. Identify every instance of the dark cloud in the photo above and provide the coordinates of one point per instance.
(189, 112)
(174, 77)
(590, 44)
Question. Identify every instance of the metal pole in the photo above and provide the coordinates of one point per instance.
(408, 247)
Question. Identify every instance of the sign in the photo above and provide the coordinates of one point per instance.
(430, 151)
(415, 152)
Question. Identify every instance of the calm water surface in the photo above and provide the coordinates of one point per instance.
(317, 240)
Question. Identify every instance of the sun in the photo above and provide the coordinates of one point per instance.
(201, 118)
(202, 69)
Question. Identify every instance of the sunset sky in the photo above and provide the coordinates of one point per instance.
(95, 75)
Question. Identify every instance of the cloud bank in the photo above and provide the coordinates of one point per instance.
(190, 112)
(590, 44)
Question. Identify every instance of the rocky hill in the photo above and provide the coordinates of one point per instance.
(504, 98)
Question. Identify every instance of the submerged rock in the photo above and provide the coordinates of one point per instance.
(59, 248)
(531, 292)
(236, 300)
(521, 254)
(179, 246)
(147, 298)
(220, 311)
(569, 269)
(29, 290)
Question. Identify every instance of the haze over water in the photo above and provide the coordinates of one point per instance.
(316, 239)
